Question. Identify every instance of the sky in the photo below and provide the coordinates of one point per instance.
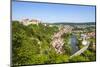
(48, 12)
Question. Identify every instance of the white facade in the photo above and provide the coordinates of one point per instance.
(28, 22)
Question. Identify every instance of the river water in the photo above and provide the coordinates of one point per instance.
(73, 42)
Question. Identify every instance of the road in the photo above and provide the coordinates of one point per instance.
(80, 51)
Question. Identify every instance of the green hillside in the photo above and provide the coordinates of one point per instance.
(32, 45)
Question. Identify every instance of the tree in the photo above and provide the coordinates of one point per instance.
(78, 59)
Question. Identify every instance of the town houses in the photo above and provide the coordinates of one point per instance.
(91, 34)
(57, 40)
(88, 35)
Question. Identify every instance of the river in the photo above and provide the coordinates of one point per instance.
(73, 42)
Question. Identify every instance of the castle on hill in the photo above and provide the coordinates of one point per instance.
(28, 21)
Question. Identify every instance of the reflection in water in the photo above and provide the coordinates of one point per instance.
(73, 41)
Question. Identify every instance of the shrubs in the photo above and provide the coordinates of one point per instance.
(79, 59)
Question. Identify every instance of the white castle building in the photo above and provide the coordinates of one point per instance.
(28, 22)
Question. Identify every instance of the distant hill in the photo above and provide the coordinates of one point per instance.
(65, 23)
